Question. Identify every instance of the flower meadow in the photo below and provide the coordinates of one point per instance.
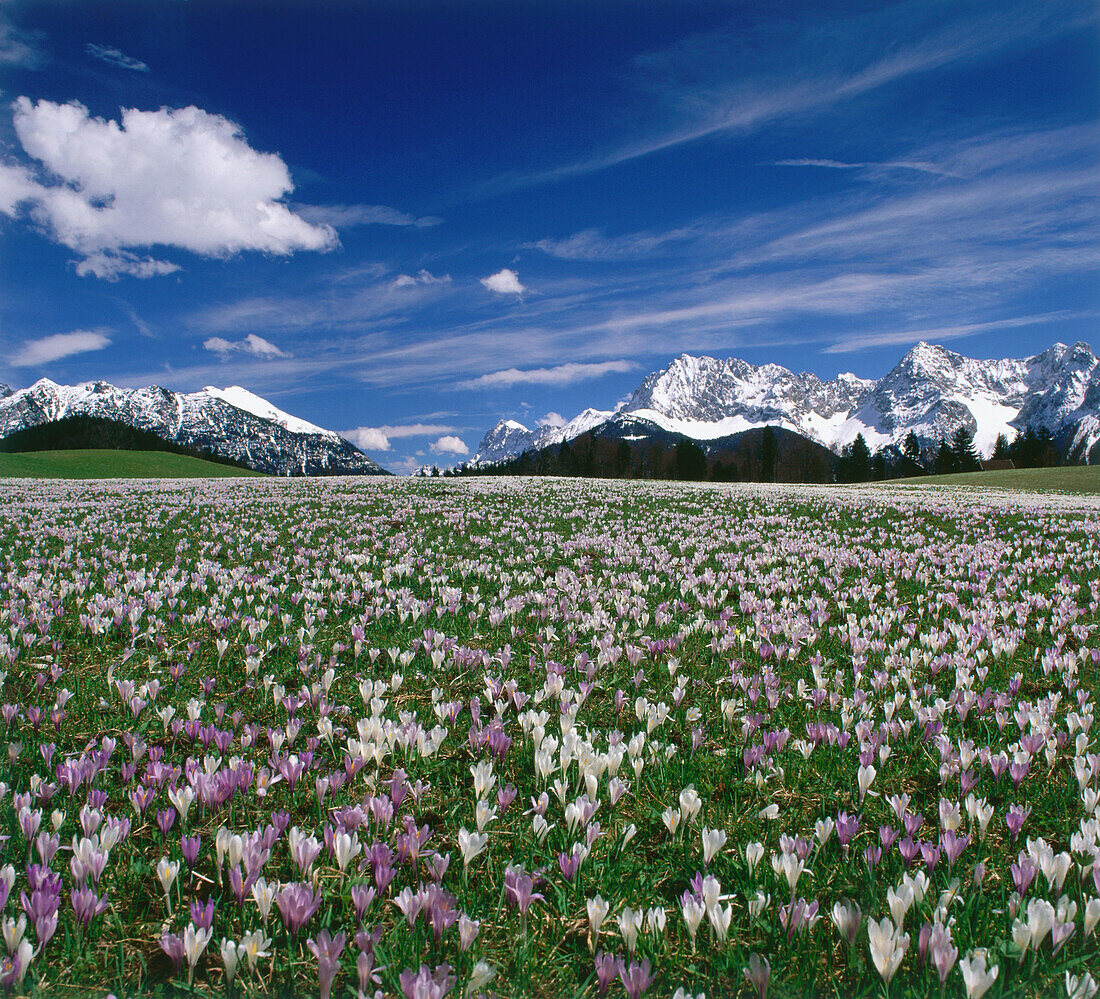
(526, 737)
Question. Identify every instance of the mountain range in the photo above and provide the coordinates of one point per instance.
(231, 423)
(931, 391)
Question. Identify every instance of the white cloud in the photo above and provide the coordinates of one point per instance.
(504, 282)
(105, 53)
(938, 334)
(561, 374)
(422, 277)
(882, 165)
(449, 445)
(347, 216)
(552, 419)
(368, 438)
(111, 266)
(18, 47)
(183, 178)
(35, 353)
(378, 438)
(416, 430)
(252, 344)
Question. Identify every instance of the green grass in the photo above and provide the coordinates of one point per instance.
(108, 464)
(1078, 479)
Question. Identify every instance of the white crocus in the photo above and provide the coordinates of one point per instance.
(977, 976)
(713, 841)
(888, 946)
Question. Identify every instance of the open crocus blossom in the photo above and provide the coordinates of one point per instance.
(287, 707)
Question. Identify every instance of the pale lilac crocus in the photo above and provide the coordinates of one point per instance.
(327, 949)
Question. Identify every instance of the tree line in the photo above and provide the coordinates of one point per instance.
(1030, 448)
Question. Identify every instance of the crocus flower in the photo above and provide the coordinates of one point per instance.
(888, 946)
(297, 902)
(327, 949)
(976, 975)
(757, 974)
(607, 967)
(636, 978)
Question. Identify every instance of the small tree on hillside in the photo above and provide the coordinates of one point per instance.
(944, 462)
(963, 452)
(910, 455)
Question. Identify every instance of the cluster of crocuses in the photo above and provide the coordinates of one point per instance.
(679, 738)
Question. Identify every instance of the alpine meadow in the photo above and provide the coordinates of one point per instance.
(575, 499)
(549, 737)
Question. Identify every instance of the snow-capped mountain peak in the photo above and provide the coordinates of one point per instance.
(931, 391)
(232, 423)
(252, 403)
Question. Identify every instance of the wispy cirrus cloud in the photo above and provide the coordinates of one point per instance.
(37, 353)
(870, 164)
(938, 334)
(559, 374)
(112, 56)
(735, 81)
(349, 216)
(19, 48)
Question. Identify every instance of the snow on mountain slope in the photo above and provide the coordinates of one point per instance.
(509, 438)
(232, 423)
(251, 403)
(930, 391)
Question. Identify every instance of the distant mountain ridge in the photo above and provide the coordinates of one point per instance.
(231, 423)
(931, 391)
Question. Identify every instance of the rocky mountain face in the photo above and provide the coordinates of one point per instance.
(930, 391)
(232, 423)
(509, 438)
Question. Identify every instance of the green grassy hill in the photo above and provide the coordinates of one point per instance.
(111, 464)
(1076, 479)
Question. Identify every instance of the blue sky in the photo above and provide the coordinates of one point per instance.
(406, 220)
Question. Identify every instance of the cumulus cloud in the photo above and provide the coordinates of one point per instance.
(104, 53)
(368, 438)
(348, 216)
(378, 438)
(449, 445)
(175, 177)
(35, 353)
(252, 344)
(561, 374)
(552, 419)
(504, 282)
(422, 277)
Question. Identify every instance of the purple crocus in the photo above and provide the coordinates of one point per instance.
(190, 846)
(636, 978)
(327, 949)
(298, 902)
(1015, 819)
(87, 905)
(607, 967)
(426, 983)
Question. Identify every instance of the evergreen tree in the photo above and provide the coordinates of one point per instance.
(1000, 449)
(769, 450)
(963, 452)
(860, 460)
(690, 461)
(910, 456)
(944, 462)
